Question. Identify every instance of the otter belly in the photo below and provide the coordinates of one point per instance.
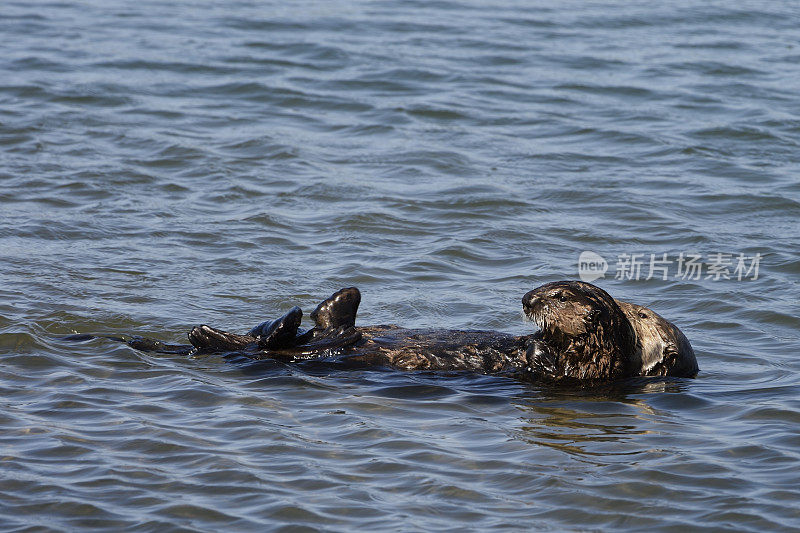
(433, 349)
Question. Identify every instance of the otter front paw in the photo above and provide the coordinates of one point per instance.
(542, 360)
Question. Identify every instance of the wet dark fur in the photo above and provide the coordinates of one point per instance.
(584, 333)
(335, 333)
(584, 336)
(490, 352)
(661, 348)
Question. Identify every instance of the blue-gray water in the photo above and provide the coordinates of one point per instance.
(165, 164)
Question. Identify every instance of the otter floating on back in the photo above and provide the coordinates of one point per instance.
(585, 336)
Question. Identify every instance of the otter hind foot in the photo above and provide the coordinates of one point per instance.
(279, 333)
(337, 311)
(206, 338)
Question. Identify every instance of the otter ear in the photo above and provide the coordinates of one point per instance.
(592, 316)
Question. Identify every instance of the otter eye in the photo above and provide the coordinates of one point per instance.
(562, 297)
(642, 315)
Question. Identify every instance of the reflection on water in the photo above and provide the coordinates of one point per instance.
(596, 423)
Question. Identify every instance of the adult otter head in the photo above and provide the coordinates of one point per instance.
(584, 333)
(661, 348)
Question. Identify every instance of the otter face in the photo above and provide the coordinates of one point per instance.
(661, 348)
(584, 328)
(568, 308)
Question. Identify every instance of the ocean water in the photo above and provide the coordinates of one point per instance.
(167, 164)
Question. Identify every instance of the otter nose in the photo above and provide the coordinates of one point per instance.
(530, 299)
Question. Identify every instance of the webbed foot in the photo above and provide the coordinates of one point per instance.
(208, 339)
(338, 310)
(279, 333)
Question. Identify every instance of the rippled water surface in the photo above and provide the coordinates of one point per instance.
(165, 164)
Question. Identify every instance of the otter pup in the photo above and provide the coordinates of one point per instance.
(585, 335)
(661, 348)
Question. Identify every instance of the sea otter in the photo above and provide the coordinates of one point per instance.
(585, 335)
(588, 335)
(661, 348)
(335, 334)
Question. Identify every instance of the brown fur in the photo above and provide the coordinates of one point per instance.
(490, 352)
(584, 333)
(661, 348)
